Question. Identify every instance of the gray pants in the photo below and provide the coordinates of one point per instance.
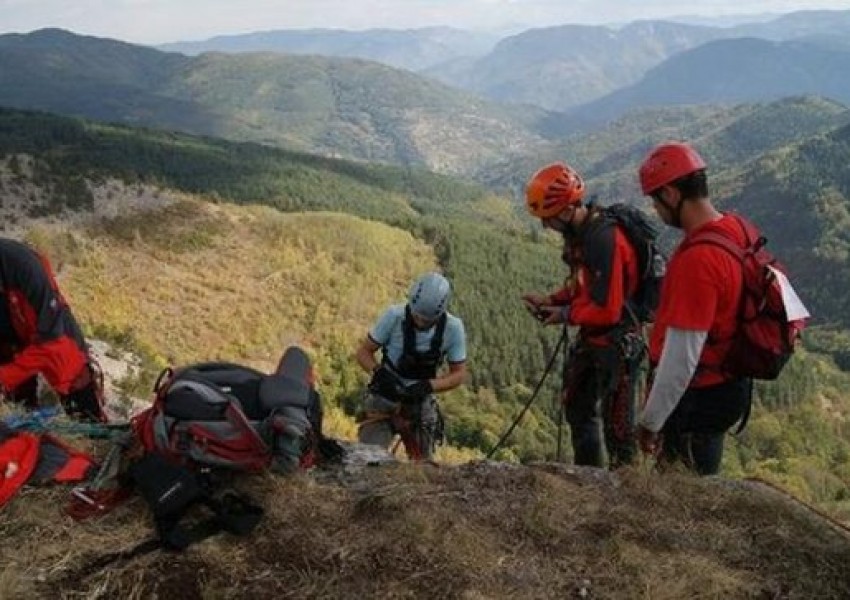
(383, 419)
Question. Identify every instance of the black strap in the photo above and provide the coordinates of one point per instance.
(330, 450)
(145, 547)
(413, 364)
(409, 329)
(236, 512)
(171, 490)
(747, 409)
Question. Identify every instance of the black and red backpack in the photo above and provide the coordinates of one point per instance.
(766, 336)
(230, 416)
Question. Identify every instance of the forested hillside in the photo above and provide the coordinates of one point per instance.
(737, 70)
(800, 195)
(728, 137)
(334, 106)
(169, 282)
(364, 110)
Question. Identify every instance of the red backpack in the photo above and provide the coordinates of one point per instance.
(765, 339)
(235, 417)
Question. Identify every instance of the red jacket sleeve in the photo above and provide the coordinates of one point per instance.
(59, 361)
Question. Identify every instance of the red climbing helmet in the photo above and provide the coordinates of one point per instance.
(666, 163)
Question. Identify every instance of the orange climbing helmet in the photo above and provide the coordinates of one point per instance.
(553, 189)
(666, 163)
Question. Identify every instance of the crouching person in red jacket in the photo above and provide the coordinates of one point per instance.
(39, 335)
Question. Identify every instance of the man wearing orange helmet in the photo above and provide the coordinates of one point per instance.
(692, 402)
(598, 381)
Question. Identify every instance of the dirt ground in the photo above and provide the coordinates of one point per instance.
(480, 530)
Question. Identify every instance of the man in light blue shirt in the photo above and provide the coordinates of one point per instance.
(415, 339)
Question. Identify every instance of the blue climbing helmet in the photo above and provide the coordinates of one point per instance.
(429, 296)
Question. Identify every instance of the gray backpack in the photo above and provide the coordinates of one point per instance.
(232, 416)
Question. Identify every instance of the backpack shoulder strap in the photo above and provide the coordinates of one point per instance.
(725, 241)
(598, 243)
(409, 332)
(437, 338)
(719, 240)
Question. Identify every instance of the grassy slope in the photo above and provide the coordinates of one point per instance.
(476, 531)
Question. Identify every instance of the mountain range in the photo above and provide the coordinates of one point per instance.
(557, 67)
(368, 111)
(733, 71)
(334, 106)
(411, 49)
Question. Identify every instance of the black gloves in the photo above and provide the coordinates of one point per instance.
(387, 383)
(417, 390)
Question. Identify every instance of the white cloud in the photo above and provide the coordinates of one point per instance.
(156, 21)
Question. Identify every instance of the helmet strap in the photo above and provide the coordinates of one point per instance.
(677, 215)
(675, 211)
(570, 223)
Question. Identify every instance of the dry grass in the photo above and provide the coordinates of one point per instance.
(480, 530)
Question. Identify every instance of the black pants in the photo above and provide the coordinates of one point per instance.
(694, 432)
(600, 393)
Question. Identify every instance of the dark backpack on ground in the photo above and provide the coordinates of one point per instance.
(642, 233)
(765, 338)
(174, 493)
(171, 491)
(234, 417)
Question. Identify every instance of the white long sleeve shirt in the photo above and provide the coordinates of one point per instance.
(679, 359)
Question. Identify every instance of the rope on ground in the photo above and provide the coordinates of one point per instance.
(841, 527)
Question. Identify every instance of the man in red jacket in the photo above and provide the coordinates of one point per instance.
(599, 379)
(693, 401)
(39, 335)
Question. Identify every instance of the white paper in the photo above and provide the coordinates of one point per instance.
(794, 307)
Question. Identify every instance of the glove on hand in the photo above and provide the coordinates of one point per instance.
(418, 390)
(385, 382)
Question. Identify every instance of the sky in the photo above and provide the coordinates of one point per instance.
(160, 21)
